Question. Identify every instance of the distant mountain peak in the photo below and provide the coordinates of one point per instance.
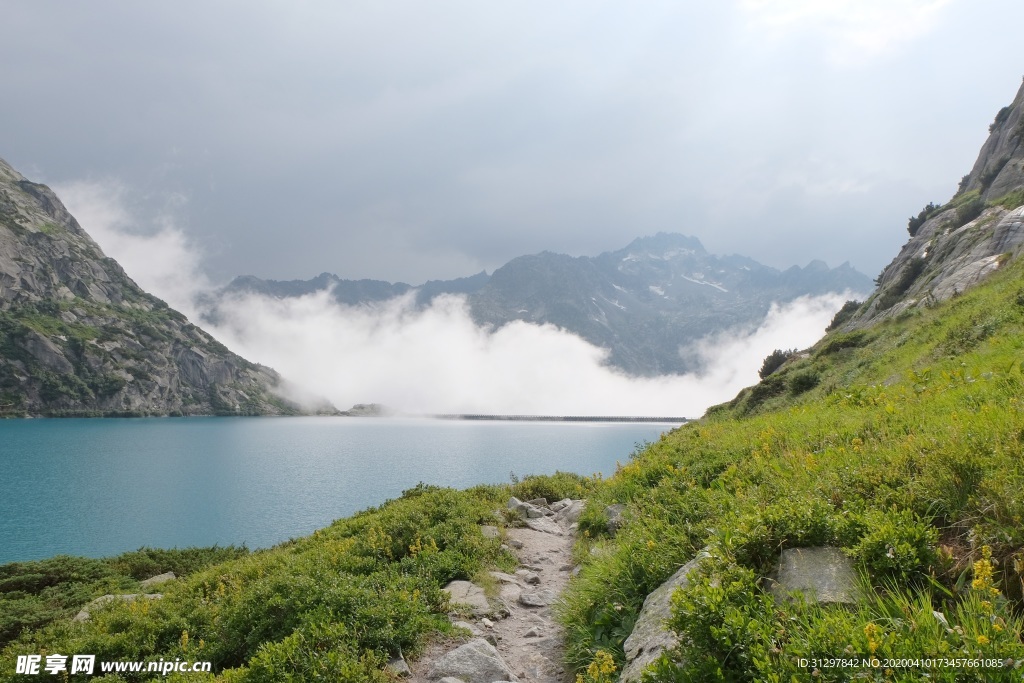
(642, 303)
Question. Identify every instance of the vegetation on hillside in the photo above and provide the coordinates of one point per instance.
(333, 606)
(901, 443)
(905, 450)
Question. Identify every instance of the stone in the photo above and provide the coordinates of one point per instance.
(451, 679)
(487, 622)
(475, 662)
(517, 544)
(158, 579)
(525, 510)
(539, 502)
(613, 515)
(532, 633)
(489, 531)
(532, 578)
(560, 504)
(469, 594)
(86, 612)
(473, 630)
(545, 525)
(571, 512)
(540, 598)
(502, 577)
(650, 636)
(824, 575)
(398, 667)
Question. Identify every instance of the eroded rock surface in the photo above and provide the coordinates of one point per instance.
(822, 574)
(651, 636)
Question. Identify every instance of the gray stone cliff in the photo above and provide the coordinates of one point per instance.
(79, 337)
(957, 244)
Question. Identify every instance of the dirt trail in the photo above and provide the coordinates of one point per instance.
(528, 638)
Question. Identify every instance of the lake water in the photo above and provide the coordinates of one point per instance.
(104, 486)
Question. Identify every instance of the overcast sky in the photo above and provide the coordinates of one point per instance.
(409, 140)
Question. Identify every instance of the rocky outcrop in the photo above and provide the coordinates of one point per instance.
(999, 169)
(475, 662)
(157, 580)
(650, 636)
(85, 614)
(468, 594)
(955, 245)
(824, 575)
(79, 337)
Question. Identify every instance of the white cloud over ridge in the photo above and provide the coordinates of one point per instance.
(435, 360)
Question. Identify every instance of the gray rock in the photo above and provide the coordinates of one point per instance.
(158, 579)
(532, 578)
(546, 525)
(539, 502)
(86, 612)
(558, 505)
(489, 531)
(515, 543)
(502, 577)
(650, 637)
(473, 630)
(451, 679)
(540, 598)
(824, 575)
(475, 662)
(398, 667)
(469, 594)
(613, 515)
(532, 633)
(524, 510)
(571, 512)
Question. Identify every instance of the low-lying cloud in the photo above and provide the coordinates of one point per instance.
(435, 360)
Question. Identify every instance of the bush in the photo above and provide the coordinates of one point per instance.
(803, 381)
(774, 361)
(843, 314)
(972, 208)
(897, 546)
(914, 223)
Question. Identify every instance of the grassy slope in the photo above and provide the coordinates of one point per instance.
(333, 606)
(901, 443)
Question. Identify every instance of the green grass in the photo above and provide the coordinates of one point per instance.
(331, 606)
(906, 450)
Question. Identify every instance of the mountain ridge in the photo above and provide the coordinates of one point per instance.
(78, 337)
(644, 302)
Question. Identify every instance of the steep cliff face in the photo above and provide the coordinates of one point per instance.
(955, 245)
(78, 337)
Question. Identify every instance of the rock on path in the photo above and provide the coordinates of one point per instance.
(529, 640)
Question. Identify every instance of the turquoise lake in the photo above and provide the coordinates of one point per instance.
(98, 487)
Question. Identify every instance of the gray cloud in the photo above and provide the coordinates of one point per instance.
(435, 360)
(406, 141)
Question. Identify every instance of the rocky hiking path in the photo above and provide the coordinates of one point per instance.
(513, 636)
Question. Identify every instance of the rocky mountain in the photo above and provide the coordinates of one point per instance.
(79, 337)
(954, 245)
(643, 302)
